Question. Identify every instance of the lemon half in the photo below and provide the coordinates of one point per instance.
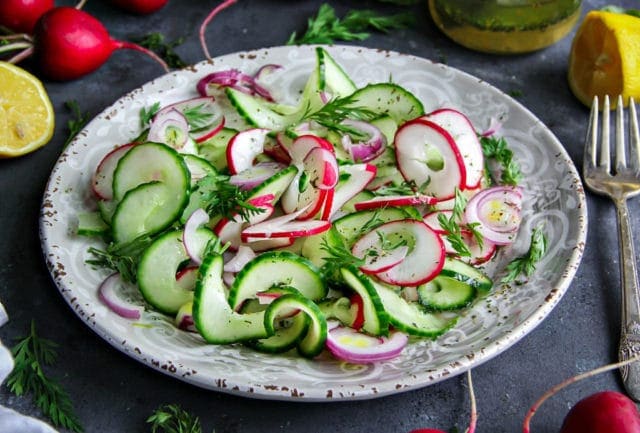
(26, 114)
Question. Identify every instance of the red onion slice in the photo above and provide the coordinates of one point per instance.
(243, 256)
(365, 150)
(353, 346)
(113, 298)
(255, 175)
(235, 79)
(169, 127)
(497, 210)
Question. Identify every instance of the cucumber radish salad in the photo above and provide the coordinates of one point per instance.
(349, 222)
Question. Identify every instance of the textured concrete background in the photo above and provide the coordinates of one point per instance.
(113, 393)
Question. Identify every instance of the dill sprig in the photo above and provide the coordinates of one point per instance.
(452, 225)
(219, 197)
(76, 123)
(326, 28)
(498, 149)
(122, 258)
(526, 264)
(334, 112)
(146, 114)
(197, 117)
(156, 43)
(31, 354)
(171, 418)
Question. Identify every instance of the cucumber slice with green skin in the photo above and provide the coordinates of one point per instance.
(376, 321)
(410, 317)
(198, 167)
(256, 112)
(446, 293)
(91, 224)
(276, 184)
(339, 308)
(157, 270)
(273, 269)
(388, 99)
(332, 77)
(106, 209)
(145, 210)
(150, 162)
(466, 273)
(312, 343)
(214, 149)
(212, 315)
(285, 337)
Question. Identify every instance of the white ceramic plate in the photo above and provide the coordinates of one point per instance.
(554, 196)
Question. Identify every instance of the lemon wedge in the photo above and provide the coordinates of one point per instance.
(605, 57)
(26, 114)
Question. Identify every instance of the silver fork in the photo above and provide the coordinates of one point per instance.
(619, 183)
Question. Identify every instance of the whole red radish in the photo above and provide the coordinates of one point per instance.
(21, 15)
(141, 7)
(603, 412)
(70, 43)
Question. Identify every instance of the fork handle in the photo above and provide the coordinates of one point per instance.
(630, 332)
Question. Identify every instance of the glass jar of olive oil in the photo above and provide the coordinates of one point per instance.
(505, 26)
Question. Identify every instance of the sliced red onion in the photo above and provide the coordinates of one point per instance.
(494, 126)
(255, 175)
(497, 210)
(109, 295)
(353, 346)
(265, 70)
(184, 318)
(190, 239)
(235, 79)
(169, 127)
(365, 150)
(243, 256)
(228, 278)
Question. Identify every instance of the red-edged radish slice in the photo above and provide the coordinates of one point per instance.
(184, 318)
(302, 145)
(210, 112)
(190, 239)
(108, 294)
(357, 177)
(255, 175)
(169, 127)
(186, 277)
(365, 150)
(350, 345)
(276, 150)
(322, 167)
(291, 229)
(102, 181)
(497, 210)
(479, 254)
(209, 131)
(377, 256)
(244, 147)
(431, 219)
(426, 255)
(260, 244)
(358, 321)
(243, 256)
(428, 156)
(228, 230)
(460, 128)
(395, 200)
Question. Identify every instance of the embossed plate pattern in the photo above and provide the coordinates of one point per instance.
(554, 195)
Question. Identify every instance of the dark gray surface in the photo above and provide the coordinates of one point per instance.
(113, 393)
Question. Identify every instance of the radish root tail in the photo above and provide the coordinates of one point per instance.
(203, 27)
(474, 411)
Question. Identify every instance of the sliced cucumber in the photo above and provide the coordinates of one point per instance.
(157, 271)
(388, 99)
(466, 273)
(351, 226)
(388, 126)
(198, 167)
(273, 269)
(106, 208)
(446, 293)
(256, 111)
(212, 315)
(376, 321)
(276, 184)
(313, 342)
(286, 336)
(91, 224)
(214, 149)
(339, 308)
(410, 317)
(332, 77)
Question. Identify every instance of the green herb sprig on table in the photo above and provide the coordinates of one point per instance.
(525, 265)
(76, 123)
(171, 418)
(31, 355)
(326, 28)
(156, 43)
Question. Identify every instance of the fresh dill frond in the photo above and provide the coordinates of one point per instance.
(525, 265)
(452, 225)
(31, 354)
(122, 258)
(171, 418)
(334, 112)
(498, 149)
(219, 197)
(146, 114)
(76, 123)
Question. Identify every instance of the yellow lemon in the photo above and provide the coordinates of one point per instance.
(26, 114)
(605, 57)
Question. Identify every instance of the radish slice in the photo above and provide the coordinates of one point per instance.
(395, 200)
(208, 132)
(282, 227)
(244, 147)
(426, 255)
(235, 79)
(322, 167)
(184, 318)
(497, 210)
(255, 175)
(169, 127)
(229, 229)
(102, 181)
(377, 256)
(428, 156)
(365, 150)
(464, 134)
(358, 176)
(358, 321)
(276, 150)
(260, 244)
(431, 219)
(113, 298)
(243, 256)
(353, 346)
(479, 254)
(303, 144)
(186, 278)
(190, 240)
(210, 121)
